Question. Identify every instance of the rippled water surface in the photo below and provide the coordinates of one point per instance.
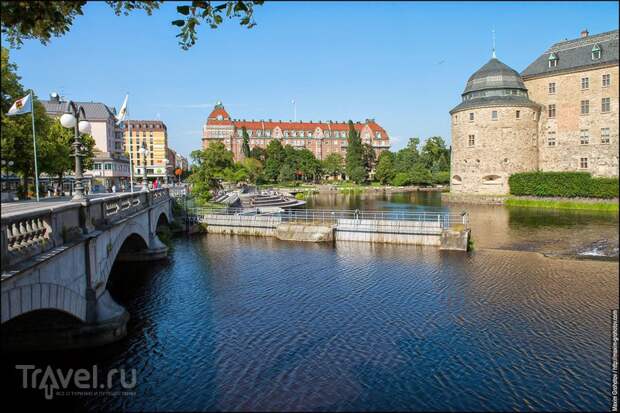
(243, 323)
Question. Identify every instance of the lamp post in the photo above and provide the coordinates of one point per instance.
(145, 152)
(69, 120)
(166, 172)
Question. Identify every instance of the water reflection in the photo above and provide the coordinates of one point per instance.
(549, 231)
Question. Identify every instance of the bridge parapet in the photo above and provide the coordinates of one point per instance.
(26, 234)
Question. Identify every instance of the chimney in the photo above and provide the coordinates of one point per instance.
(584, 33)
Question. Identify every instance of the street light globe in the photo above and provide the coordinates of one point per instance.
(67, 120)
(84, 126)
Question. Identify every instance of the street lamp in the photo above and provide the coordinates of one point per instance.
(69, 120)
(166, 172)
(145, 152)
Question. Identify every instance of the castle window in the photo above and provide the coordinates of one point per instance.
(552, 111)
(596, 52)
(606, 80)
(551, 139)
(585, 83)
(552, 88)
(456, 180)
(471, 117)
(220, 117)
(585, 107)
(584, 137)
(239, 132)
(472, 140)
(605, 104)
(378, 135)
(553, 60)
(583, 163)
(605, 136)
(494, 115)
(518, 114)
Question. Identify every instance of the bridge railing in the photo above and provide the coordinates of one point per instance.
(28, 233)
(443, 220)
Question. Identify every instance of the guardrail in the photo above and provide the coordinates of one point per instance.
(319, 216)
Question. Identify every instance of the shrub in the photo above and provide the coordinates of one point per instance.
(401, 179)
(562, 184)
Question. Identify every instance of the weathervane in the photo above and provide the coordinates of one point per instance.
(493, 31)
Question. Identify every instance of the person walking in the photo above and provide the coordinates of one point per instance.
(113, 188)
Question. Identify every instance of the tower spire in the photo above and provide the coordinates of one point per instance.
(493, 31)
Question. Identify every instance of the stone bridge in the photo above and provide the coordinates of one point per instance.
(56, 261)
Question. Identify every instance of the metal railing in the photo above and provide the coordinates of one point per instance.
(325, 216)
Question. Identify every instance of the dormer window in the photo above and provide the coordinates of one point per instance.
(220, 117)
(553, 60)
(596, 52)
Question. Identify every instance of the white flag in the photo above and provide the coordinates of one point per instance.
(23, 105)
(123, 112)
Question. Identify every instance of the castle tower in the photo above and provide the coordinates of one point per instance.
(218, 127)
(494, 131)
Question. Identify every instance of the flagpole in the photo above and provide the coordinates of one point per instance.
(34, 143)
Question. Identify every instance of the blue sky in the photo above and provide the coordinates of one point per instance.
(405, 64)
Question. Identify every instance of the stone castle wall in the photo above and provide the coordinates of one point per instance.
(501, 147)
(569, 124)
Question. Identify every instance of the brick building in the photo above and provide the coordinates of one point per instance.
(559, 114)
(322, 138)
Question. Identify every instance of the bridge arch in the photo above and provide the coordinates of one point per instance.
(42, 296)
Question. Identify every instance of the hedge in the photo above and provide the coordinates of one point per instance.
(562, 184)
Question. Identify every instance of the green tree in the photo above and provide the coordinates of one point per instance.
(308, 165)
(407, 157)
(245, 146)
(287, 174)
(368, 157)
(253, 168)
(355, 159)
(333, 165)
(275, 157)
(259, 154)
(435, 155)
(385, 167)
(16, 139)
(42, 20)
(211, 165)
(56, 151)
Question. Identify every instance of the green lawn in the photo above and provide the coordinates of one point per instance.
(563, 204)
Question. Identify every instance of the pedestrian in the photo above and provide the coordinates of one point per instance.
(113, 188)
(155, 183)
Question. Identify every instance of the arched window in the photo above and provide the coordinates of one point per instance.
(456, 180)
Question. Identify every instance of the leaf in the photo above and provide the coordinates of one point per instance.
(217, 18)
(184, 10)
(179, 23)
(240, 6)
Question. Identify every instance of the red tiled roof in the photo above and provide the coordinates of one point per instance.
(288, 125)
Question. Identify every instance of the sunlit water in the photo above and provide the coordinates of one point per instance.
(243, 323)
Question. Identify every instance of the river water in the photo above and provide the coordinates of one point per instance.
(243, 323)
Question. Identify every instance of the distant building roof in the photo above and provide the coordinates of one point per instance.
(576, 53)
(219, 116)
(93, 110)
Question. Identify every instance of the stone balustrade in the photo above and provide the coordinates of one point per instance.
(26, 234)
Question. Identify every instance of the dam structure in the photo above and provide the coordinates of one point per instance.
(447, 231)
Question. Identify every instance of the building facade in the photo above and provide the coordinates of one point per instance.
(110, 165)
(559, 114)
(321, 138)
(152, 135)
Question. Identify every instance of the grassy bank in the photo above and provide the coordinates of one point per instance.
(609, 206)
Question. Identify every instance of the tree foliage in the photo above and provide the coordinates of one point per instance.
(355, 167)
(245, 147)
(333, 165)
(43, 20)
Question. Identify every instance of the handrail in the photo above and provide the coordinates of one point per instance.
(444, 219)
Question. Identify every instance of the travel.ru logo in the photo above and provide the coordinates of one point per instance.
(56, 382)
